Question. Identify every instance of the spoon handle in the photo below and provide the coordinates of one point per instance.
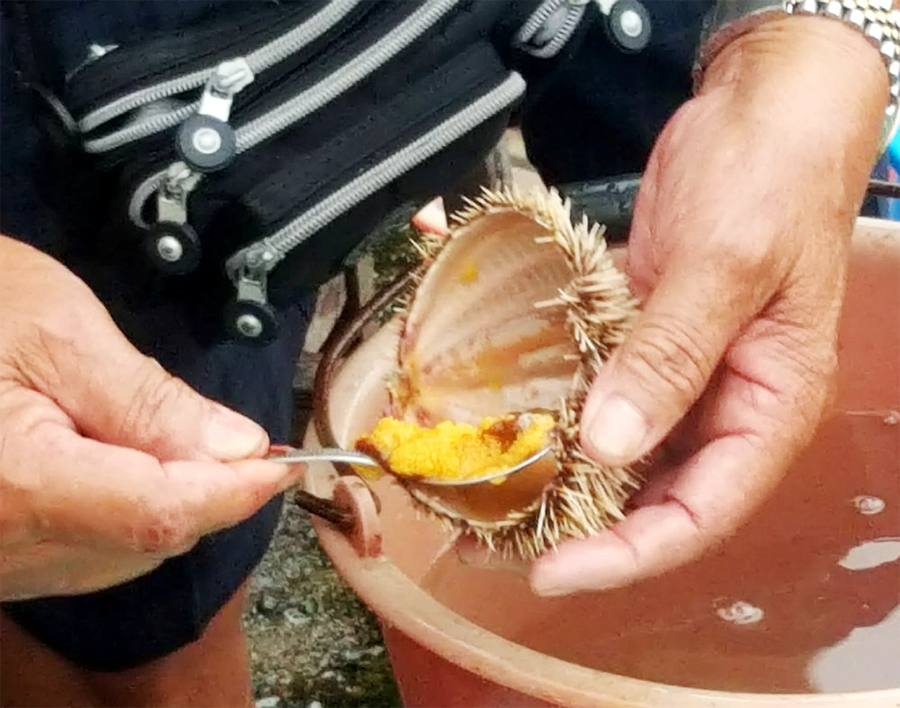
(327, 509)
(327, 454)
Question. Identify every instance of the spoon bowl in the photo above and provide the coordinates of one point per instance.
(495, 478)
(484, 499)
(492, 498)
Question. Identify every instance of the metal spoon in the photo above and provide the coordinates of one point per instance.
(352, 457)
(518, 467)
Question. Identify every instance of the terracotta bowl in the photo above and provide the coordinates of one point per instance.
(800, 608)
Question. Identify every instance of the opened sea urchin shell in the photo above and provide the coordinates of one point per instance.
(517, 310)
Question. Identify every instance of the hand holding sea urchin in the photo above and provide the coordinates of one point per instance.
(515, 311)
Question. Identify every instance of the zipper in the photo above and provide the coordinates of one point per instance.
(550, 27)
(250, 267)
(354, 71)
(275, 195)
(258, 60)
(318, 95)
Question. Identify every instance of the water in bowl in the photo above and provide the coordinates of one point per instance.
(804, 599)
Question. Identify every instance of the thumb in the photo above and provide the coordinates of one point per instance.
(663, 367)
(145, 408)
(60, 341)
(116, 395)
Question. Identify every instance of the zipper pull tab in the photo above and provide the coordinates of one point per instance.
(171, 244)
(229, 78)
(249, 317)
(205, 141)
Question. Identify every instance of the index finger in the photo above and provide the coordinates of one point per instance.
(104, 495)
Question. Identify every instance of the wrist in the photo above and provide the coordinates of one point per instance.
(783, 43)
(854, 29)
(806, 71)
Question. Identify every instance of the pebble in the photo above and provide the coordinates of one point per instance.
(295, 617)
(266, 604)
(261, 581)
(268, 702)
(352, 654)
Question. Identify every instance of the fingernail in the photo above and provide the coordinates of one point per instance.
(230, 436)
(566, 585)
(617, 430)
(595, 584)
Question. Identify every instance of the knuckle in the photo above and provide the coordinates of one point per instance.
(668, 358)
(748, 259)
(155, 394)
(165, 531)
(47, 336)
(802, 373)
(39, 357)
(162, 522)
(819, 387)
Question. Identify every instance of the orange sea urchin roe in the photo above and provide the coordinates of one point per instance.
(455, 451)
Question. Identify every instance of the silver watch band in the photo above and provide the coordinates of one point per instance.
(876, 19)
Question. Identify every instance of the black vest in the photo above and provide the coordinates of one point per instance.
(234, 157)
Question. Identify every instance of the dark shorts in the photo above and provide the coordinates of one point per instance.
(158, 613)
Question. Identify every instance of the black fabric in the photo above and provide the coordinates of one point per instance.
(259, 192)
(601, 113)
(591, 112)
(313, 169)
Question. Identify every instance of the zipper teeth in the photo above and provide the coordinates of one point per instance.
(276, 120)
(538, 18)
(574, 13)
(259, 60)
(318, 95)
(140, 130)
(573, 18)
(385, 172)
(291, 42)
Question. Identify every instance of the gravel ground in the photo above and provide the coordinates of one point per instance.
(313, 644)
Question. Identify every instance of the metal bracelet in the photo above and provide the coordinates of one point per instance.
(880, 24)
